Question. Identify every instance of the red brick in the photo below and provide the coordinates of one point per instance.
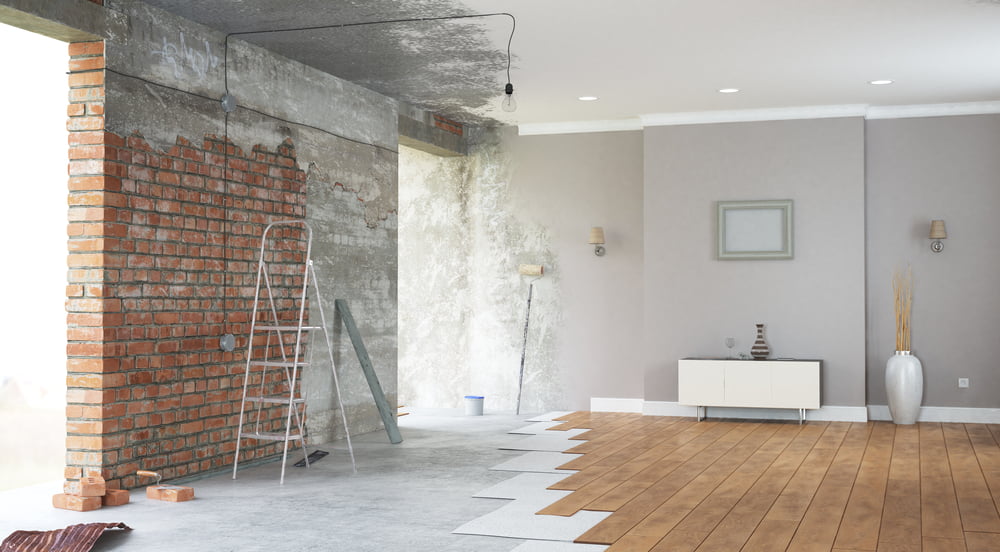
(116, 497)
(86, 48)
(76, 503)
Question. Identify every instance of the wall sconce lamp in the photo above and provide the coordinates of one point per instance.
(597, 240)
(937, 234)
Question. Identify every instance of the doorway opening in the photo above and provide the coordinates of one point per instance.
(33, 148)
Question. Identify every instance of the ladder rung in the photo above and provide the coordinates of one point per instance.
(278, 363)
(274, 400)
(285, 328)
(263, 436)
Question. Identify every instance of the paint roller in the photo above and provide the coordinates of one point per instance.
(526, 270)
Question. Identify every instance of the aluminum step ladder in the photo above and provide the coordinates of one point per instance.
(279, 339)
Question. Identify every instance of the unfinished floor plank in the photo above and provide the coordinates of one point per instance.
(982, 542)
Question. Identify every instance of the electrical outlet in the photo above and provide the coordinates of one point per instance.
(963, 383)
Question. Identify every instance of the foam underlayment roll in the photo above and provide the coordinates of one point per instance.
(531, 270)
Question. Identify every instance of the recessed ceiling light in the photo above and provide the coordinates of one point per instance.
(729, 90)
(587, 98)
(880, 81)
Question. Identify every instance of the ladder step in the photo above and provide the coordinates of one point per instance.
(266, 436)
(285, 328)
(278, 363)
(274, 400)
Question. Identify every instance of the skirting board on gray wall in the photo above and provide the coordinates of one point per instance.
(943, 414)
(825, 413)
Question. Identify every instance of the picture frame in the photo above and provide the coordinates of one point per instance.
(755, 230)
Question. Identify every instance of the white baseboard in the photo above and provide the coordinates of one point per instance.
(599, 404)
(943, 414)
(826, 413)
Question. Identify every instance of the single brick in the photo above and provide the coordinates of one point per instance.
(116, 497)
(76, 503)
(169, 493)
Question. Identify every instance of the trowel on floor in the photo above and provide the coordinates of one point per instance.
(166, 493)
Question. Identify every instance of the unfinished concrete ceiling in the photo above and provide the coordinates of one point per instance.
(640, 57)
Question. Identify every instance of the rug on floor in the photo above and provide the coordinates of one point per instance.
(75, 538)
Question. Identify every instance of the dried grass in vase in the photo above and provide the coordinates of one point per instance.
(902, 292)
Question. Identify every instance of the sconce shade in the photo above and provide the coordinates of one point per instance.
(938, 231)
(596, 236)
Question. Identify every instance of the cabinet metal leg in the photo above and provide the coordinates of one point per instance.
(802, 415)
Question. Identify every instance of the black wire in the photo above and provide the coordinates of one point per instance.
(510, 39)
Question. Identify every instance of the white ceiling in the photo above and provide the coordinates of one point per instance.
(644, 57)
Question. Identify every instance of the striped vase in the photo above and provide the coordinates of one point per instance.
(759, 351)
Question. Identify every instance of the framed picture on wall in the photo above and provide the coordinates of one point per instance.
(751, 230)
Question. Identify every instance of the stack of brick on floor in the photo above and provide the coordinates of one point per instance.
(85, 492)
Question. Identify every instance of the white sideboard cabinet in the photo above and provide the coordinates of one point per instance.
(748, 383)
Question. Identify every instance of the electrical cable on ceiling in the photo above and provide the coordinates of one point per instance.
(230, 104)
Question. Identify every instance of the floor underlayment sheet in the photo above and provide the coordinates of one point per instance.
(527, 493)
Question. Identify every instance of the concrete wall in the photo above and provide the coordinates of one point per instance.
(812, 305)
(936, 168)
(465, 226)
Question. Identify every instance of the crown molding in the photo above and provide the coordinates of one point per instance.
(751, 115)
(932, 110)
(578, 127)
(770, 114)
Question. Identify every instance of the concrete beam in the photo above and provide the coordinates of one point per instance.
(65, 20)
(428, 132)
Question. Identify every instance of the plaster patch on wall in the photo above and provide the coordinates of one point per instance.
(462, 301)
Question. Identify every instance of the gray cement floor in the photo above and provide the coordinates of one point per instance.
(404, 497)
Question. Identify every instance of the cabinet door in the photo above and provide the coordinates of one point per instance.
(700, 383)
(748, 384)
(795, 385)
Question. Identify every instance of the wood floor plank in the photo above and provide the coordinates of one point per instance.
(707, 515)
(818, 529)
(668, 439)
(617, 498)
(862, 519)
(938, 544)
(723, 486)
(975, 503)
(988, 455)
(939, 514)
(982, 542)
(733, 532)
(665, 517)
(901, 512)
(648, 499)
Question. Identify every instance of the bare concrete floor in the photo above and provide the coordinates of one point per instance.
(404, 497)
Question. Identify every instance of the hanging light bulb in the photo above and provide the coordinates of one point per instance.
(508, 104)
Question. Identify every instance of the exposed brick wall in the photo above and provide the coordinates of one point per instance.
(443, 123)
(162, 262)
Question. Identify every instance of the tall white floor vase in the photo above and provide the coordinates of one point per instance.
(904, 384)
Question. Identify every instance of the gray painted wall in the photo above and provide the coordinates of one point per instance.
(348, 151)
(465, 226)
(936, 168)
(813, 305)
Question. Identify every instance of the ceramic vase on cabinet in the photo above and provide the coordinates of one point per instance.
(904, 385)
(759, 351)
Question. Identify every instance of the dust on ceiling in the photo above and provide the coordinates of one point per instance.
(449, 67)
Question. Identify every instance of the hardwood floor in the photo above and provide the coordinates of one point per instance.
(674, 484)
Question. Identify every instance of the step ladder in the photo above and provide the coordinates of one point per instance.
(280, 337)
